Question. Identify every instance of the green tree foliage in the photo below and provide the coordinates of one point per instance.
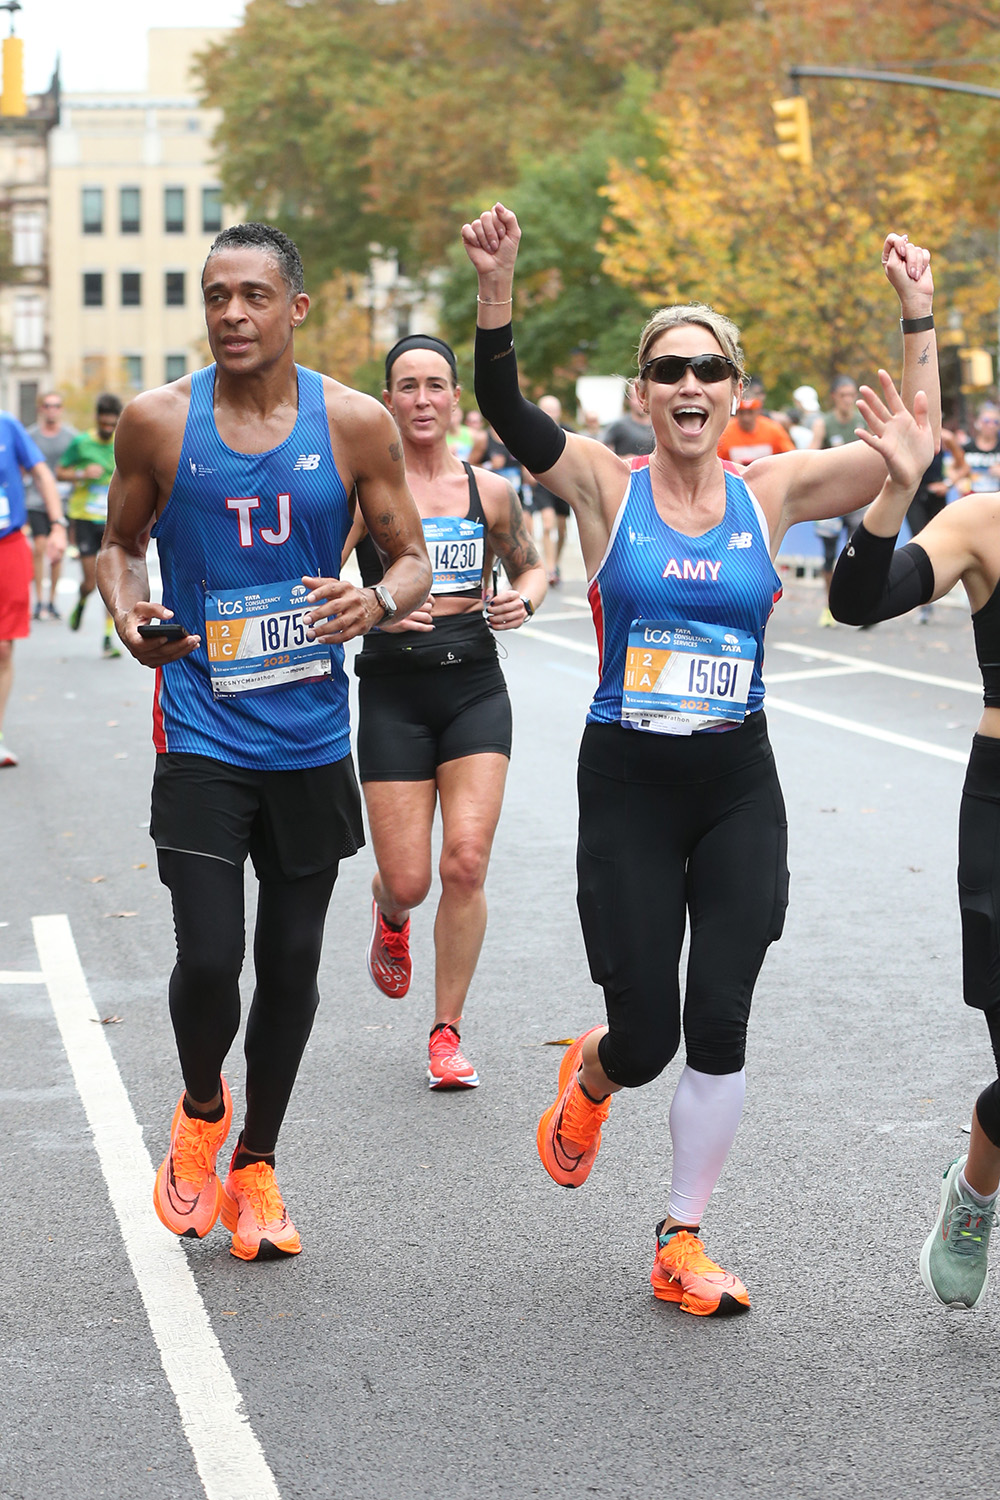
(361, 123)
(576, 319)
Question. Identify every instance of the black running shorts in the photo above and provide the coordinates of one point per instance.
(409, 723)
(291, 823)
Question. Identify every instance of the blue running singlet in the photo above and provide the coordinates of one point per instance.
(652, 572)
(243, 521)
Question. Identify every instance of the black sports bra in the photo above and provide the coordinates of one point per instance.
(986, 632)
(371, 564)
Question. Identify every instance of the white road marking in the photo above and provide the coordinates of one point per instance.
(853, 666)
(228, 1456)
(813, 674)
(21, 976)
(875, 666)
(869, 731)
(585, 648)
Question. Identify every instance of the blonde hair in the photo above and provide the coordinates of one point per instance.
(722, 329)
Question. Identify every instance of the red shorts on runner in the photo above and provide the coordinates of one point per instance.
(16, 572)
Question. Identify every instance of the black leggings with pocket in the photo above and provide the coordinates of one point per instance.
(676, 829)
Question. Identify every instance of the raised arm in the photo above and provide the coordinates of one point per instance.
(581, 470)
(811, 485)
(873, 580)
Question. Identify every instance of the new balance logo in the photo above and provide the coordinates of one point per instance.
(740, 539)
(307, 461)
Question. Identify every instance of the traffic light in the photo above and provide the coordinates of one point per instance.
(791, 126)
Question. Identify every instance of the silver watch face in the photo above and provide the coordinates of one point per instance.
(386, 600)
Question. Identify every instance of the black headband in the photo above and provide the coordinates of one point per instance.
(420, 341)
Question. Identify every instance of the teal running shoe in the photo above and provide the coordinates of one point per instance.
(953, 1262)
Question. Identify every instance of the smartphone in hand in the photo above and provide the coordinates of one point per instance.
(166, 630)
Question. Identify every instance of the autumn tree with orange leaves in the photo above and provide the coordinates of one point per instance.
(355, 123)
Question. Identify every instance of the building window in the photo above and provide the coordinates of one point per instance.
(130, 210)
(174, 290)
(211, 210)
(176, 366)
(173, 210)
(93, 288)
(93, 210)
(29, 323)
(28, 237)
(27, 401)
(93, 369)
(132, 371)
(131, 289)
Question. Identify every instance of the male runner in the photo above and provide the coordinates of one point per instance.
(88, 464)
(242, 472)
(52, 437)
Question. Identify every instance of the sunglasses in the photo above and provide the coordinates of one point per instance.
(709, 369)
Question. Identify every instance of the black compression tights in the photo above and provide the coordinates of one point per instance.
(207, 897)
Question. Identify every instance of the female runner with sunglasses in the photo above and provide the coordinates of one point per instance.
(680, 807)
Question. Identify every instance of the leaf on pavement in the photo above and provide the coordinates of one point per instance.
(560, 1041)
(122, 914)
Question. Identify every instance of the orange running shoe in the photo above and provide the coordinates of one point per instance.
(447, 1068)
(187, 1193)
(389, 962)
(254, 1211)
(683, 1273)
(569, 1132)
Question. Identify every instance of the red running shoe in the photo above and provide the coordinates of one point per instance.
(569, 1132)
(187, 1193)
(447, 1068)
(683, 1273)
(254, 1211)
(389, 961)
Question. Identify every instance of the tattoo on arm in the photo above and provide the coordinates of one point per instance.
(924, 355)
(514, 543)
(396, 452)
(384, 530)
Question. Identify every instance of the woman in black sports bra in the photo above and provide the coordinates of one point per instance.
(874, 581)
(434, 716)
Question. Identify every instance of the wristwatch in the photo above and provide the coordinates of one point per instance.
(529, 608)
(387, 602)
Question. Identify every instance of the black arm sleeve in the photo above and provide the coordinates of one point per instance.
(532, 437)
(873, 580)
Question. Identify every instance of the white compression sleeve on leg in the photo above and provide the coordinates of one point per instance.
(704, 1117)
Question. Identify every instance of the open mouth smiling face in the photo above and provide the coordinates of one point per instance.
(691, 408)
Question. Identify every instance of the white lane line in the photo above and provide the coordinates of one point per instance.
(228, 1456)
(814, 674)
(875, 666)
(566, 614)
(852, 726)
(21, 976)
(585, 648)
(868, 730)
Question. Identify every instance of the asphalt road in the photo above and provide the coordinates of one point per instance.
(457, 1325)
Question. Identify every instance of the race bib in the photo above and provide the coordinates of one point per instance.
(684, 676)
(256, 639)
(455, 548)
(95, 503)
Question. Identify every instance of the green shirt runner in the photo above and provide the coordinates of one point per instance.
(89, 498)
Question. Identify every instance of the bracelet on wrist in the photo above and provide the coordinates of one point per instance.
(917, 325)
(487, 302)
